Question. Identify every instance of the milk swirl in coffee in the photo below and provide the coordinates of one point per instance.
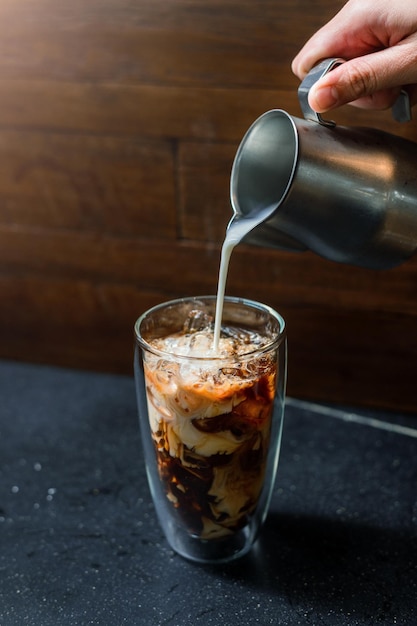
(210, 414)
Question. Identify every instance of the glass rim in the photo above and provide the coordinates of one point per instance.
(253, 304)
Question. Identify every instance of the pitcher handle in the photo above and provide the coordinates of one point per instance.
(401, 110)
(312, 77)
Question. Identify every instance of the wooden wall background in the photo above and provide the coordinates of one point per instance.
(119, 121)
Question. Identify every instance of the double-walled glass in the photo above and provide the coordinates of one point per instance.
(211, 424)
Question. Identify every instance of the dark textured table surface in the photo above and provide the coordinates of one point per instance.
(80, 544)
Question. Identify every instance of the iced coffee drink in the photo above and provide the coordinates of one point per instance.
(210, 416)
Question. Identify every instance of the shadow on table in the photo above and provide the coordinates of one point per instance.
(334, 566)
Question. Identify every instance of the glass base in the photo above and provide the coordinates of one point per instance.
(211, 551)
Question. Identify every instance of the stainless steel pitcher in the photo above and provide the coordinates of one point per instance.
(347, 194)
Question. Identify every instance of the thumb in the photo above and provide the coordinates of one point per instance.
(371, 81)
(348, 82)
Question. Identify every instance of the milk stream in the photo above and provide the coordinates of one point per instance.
(238, 227)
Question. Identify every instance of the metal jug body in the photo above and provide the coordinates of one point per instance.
(347, 194)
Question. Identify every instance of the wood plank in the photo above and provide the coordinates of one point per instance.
(187, 268)
(70, 323)
(215, 115)
(211, 43)
(353, 359)
(134, 110)
(206, 16)
(106, 184)
(135, 55)
(306, 280)
(149, 111)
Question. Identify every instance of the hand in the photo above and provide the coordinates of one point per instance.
(378, 40)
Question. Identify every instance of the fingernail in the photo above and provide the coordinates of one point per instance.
(324, 98)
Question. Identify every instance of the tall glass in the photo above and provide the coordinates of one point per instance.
(211, 422)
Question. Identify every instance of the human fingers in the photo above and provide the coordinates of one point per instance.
(370, 81)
